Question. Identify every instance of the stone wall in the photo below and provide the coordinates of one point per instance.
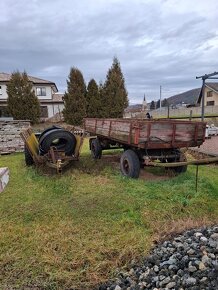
(10, 140)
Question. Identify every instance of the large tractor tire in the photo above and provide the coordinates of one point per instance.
(58, 138)
(47, 130)
(130, 164)
(28, 157)
(96, 148)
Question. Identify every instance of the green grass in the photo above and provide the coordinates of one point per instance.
(73, 231)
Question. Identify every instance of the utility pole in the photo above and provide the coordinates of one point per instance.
(160, 97)
(205, 77)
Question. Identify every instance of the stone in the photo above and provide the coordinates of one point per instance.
(165, 281)
(214, 236)
(4, 178)
(170, 285)
(204, 240)
(131, 271)
(198, 234)
(117, 288)
(204, 279)
(190, 252)
(190, 281)
(205, 259)
(201, 266)
(192, 269)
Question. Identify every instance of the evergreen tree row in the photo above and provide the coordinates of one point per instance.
(106, 100)
(156, 105)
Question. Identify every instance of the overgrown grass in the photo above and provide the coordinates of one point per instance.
(73, 231)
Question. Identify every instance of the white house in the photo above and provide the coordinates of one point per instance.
(50, 101)
(210, 95)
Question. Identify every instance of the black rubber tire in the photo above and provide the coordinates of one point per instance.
(96, 149)
(180, 169)
(28, 157)
(65, 141)
(47, 130)
(130, 164)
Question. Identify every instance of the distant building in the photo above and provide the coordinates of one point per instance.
(210, 95)
(144, 104)
(50, 101)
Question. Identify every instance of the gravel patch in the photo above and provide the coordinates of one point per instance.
(189, 261)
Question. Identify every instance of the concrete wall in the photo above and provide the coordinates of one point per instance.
(180, 112)
(10, 140)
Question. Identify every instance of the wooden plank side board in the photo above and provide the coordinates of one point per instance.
(161, 132)
(120, 136)
(149, 133)
(185, 132)
(120, 126)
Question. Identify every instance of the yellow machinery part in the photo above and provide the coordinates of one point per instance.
(32, 144)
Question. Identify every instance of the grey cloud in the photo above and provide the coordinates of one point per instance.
(155, 45)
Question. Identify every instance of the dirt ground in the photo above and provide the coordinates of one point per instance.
(148, 173)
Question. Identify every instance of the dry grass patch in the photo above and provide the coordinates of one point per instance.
(73, 231)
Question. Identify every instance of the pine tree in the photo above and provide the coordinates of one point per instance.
(93, 108)
(22, 101)
(165, 103)
(158, 104)
(102, 98)
(116, 97)
(74, 99)
(152, 105)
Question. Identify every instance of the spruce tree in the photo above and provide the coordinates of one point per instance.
(165, 103)
(22, 102)
(116, 97)
(74, 99)
(93, 101)
(152, 105)
(158, 104)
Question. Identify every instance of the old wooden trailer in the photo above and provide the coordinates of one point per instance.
(145, 142)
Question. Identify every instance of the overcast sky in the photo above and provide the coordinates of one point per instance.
(158, 42)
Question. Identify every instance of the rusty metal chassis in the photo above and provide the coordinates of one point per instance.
(153, 157)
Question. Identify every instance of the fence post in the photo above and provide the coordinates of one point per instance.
(190, 115)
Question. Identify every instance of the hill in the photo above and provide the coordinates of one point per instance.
(134, 108)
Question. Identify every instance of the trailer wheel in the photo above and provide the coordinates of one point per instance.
(28, 157)
(96, 148)
(179, 169)
(129, 164)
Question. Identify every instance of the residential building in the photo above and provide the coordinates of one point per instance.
(51, 102)
(210, 95)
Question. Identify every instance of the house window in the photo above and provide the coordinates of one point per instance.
(210, 94)
(210, 103)
(0, 90)
(41, 91)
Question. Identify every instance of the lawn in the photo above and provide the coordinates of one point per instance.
(73, 231)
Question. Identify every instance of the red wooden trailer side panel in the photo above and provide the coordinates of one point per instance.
(149, 134)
